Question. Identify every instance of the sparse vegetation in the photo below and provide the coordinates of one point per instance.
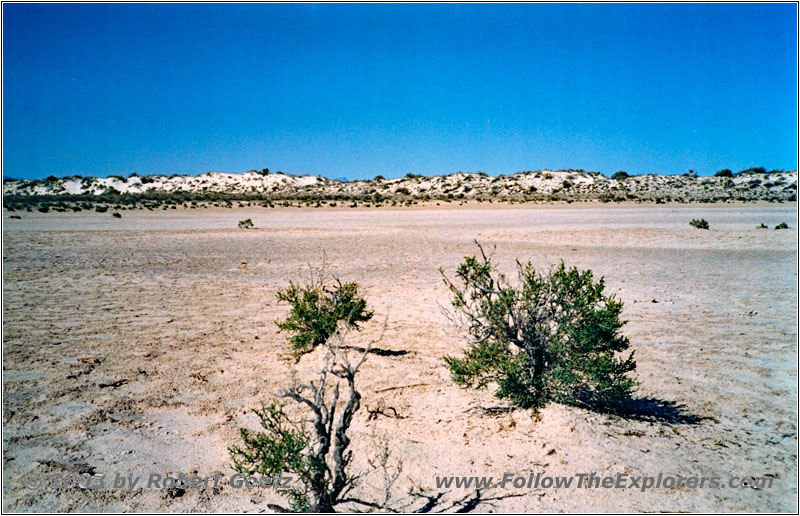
(621, 174)
(245, 224)
(699, 223)
(724, 173)
(116, 215)
(782, 225)
(551, 337)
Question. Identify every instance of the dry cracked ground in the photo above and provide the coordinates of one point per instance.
(139, 344)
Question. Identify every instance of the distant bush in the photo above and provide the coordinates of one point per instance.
(101, 209)
(762, 226)
(263, 172)
(414, 176)
(116, 215)
(754, 170)
(245, 224)
(782, 225)
(403, 190)
(51, 178)
(566, 184)
(699, 223)
(552, 337)
(724, 173)
(378, 178)
(317, 310)
(620, 175)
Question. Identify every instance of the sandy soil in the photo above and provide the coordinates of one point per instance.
(180, 306)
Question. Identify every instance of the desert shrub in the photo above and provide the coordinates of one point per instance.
(245, 224)
(566, 184)
(263, 172)
(699, 223)
(116, 215)
(318, 309)
(754, 170)
(782, 225)
(551, 337)
(724, 173)
(403, 190)
(762, 226)
(414, 176)
(44, 208)
(378, 178)
(620, 175)
(317, 454)
(101, 209)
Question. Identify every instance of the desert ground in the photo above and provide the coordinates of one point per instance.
(140, 344)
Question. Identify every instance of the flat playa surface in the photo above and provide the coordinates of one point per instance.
(139, 344)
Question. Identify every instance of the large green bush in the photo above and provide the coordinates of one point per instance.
(551, 337)
(317, 309)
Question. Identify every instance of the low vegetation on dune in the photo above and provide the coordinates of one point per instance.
(262, 188)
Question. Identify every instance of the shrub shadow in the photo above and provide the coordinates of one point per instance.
(467, 503)
(654, 410)
(378, 351)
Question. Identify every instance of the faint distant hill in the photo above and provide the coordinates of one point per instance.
(529, 186)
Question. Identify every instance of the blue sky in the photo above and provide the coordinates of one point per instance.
(364, 89)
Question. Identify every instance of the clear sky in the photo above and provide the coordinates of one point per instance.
(364, 89)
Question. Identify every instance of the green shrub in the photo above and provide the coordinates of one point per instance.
(403, 190)
(782, 225)
(620, 175)
(699, 223)
(724, 173)
(762, 226)
(116, 215)
(101, 209)
(552, 337)
(318, 309)
(245, 224)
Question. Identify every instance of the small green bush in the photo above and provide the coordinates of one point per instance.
(245, 224)
(317, 310)
(403, 190)
(724, 173)
(552, 337)
(116, 215)
(699, 223)
(101, 209)
(782, 225)
(762, 226)
(621, 174)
